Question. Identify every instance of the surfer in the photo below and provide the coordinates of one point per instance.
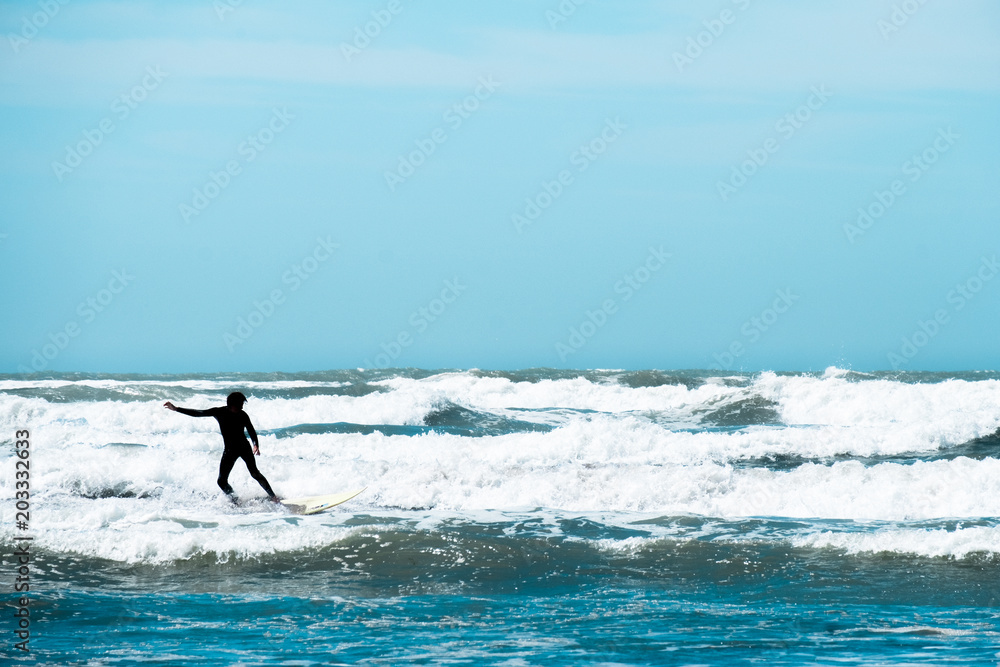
(232, 422)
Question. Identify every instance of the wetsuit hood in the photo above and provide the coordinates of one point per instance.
(236, 400)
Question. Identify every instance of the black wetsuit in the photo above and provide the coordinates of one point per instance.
(236, 445)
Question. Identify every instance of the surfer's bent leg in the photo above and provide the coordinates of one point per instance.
(254, 472)
(225, 467)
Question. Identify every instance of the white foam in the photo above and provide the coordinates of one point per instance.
(200, 385)
(950, 411)
(935, 543)
(577, 393)
(869, 417)
(570, 468)
(154, 531)
(606, 455)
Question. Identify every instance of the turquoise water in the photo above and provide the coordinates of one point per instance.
(538, 517)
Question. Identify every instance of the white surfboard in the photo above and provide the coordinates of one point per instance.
(314, 504)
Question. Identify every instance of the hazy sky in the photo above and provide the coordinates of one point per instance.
(787, 185)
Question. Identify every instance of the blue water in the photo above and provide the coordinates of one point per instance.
(522, 518)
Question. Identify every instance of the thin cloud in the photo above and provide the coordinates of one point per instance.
(766, 47)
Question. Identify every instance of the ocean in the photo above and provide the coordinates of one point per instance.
(536, 517)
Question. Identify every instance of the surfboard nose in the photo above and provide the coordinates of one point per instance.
(315, 504)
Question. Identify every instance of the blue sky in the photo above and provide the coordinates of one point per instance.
(499, 185)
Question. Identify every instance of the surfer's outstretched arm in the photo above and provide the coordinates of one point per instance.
(187, 411)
